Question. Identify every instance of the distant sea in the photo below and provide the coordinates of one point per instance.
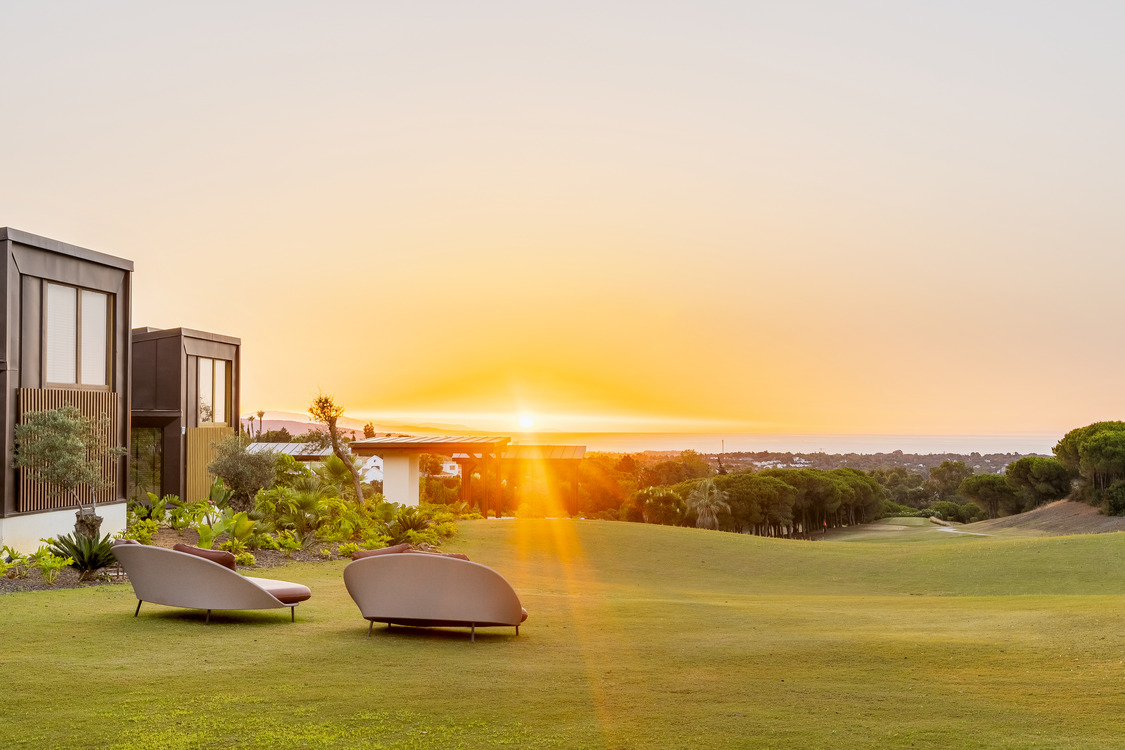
(624, 442)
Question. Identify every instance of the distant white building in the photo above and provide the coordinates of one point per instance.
(311, 453)
(372, 469)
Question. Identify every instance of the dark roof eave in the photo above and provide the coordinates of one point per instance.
(63, 248)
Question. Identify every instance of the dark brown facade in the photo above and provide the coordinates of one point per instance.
(65, 317)
(185, 397)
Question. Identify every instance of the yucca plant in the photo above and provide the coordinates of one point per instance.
(89, 555)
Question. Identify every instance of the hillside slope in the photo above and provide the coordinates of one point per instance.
(1056, 519)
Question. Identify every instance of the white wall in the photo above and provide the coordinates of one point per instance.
(22, 533)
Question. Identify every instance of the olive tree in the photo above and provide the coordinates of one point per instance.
(243, 472)
(70, 452)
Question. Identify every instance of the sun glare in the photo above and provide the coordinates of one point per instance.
(526, 421)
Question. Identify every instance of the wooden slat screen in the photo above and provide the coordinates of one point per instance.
(201, 442)
(40, 496)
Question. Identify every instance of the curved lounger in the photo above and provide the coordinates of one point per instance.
(179, 579)
(423, 590)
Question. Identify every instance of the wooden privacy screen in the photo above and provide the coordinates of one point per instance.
(40, 496)
(201, 442)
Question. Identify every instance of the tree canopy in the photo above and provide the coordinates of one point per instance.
(325, 410)
(991, 492)
(68, 451)
(1038, 480)
(945, 480)
(1095, 454)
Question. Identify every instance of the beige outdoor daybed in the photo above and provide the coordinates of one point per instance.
(190, 579)
(424, 590)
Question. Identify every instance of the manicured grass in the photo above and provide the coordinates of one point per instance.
(638, 637)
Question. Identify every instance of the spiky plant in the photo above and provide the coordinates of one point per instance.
(89, 555)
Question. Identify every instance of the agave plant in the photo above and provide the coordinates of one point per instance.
(89, 555)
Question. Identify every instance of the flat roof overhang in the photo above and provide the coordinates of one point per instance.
(384, 446)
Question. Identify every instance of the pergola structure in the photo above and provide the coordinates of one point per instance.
(400, 465)
(491, 458)
(557, 465)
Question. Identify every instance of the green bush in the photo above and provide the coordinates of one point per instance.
(49, 564)
(244, 473)
(375, 541)
(287, 542)
(962, 513)
(1113, 500)
(142, 531)
(263, 540)
(15, 566)
(245, 559)
(347, 549)
(410, 525)
(155, 508)
(240, 529)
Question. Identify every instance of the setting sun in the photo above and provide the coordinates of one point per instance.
(526, 421)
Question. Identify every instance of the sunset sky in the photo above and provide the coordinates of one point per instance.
(801, 217)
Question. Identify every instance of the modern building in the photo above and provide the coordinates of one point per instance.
(65, 323)
(185, 400)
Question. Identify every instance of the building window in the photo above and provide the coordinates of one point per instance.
(214, 391)
(78, 338)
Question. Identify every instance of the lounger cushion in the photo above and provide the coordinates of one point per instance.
(124, 541)
(286, 592)
(222, 557)
(360, 554)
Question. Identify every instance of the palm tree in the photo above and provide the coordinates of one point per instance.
(260, 415)
(708, 501)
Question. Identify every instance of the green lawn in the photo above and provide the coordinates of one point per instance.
(638, 637)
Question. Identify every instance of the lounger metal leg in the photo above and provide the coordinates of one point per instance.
(138, 609)
(292, 614)
(208, 622)
(517, 629)
(370, 628)
(473, 633)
